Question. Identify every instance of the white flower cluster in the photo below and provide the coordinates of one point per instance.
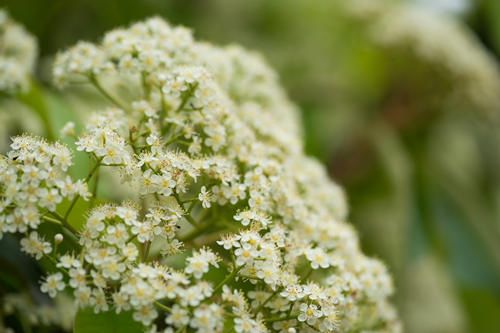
(234, 228)
(34, 181)
(60, 314)
(437, 39)
(18, 52)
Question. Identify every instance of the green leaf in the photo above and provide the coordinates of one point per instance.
(86, 321)
(491, 9)
(34, 98)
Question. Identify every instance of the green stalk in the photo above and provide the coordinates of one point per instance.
(162, 306)
(95, 82)
(91, 173)
(228, 278)
(267, 300)
(275, 319)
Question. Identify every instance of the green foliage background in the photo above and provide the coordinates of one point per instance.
(423, 181)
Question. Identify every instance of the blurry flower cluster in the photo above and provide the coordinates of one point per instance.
(211, 145)
(449, 47)
(18, 52)
(59, 314)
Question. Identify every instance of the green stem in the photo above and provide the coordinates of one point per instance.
(64, 222)
(146, 252)
(173, 138)
(182, 328)
(162, 306)
(233, 259)
(147, 131)
(131, 238)
(275, 319)
(195, 232)
(311, 326)
(53, 261)
(308, 274)
(95, 82)
(267, 300)
(290, 309)
(228, 278)
(186, 97)
(190, 219)
(163, 112)
(248, 277)
(68, 232)
(94, 188)
(191, 205)
(187, 216)
(91, 173)
(145, 86)
(132, 140)
(54, 221)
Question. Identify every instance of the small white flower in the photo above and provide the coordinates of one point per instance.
(53, 284)
(198, 263)
(292, 292)
(229, 241)
(245, 324)
(49, 198)
(77, 278)
(98, 300)
(318, 258)
(68, 261)
(120, 302)
(143, 107)
(35, 245)
(205, 197)
(309, 313)
(178, 316)
(68, 129)
(245, 217)
(145, 314)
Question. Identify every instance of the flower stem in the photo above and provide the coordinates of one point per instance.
(162, 306)
(186, 97)
(182, 328)
(308, 274)
(195, 232)
(267, 300)
(146, 252)
(91, 173)
(68, 232)
(54, 262)
(228, 278)
(94, 188)
(64, 222)
(95, 82)
(275, 319)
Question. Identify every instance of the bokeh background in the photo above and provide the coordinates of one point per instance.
(400, 99)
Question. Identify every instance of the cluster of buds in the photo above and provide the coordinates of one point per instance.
(225, 223)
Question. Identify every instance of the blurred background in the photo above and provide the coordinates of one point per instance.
(400, 99)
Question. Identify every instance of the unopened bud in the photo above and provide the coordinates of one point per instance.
(58, 238)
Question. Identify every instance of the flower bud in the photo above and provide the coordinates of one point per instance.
(58, 238)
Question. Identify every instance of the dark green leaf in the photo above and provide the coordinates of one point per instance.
(86, 321)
